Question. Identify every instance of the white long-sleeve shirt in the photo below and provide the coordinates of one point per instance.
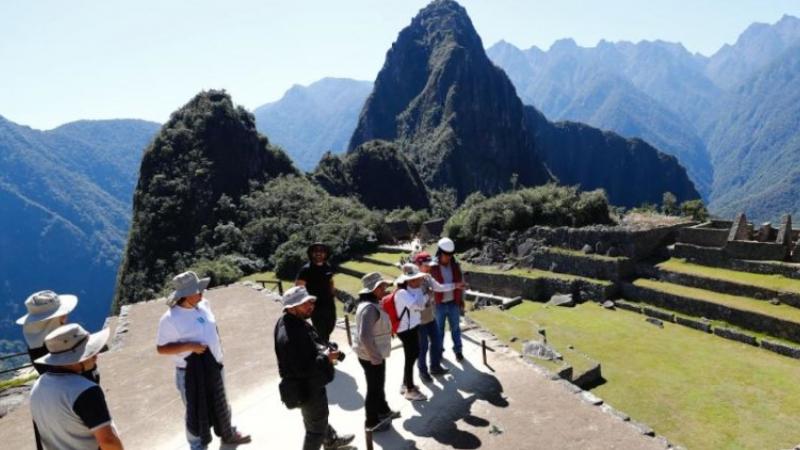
(414, 301)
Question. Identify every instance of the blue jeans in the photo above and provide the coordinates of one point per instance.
(195, 442)
(449, 312)
(429, 331)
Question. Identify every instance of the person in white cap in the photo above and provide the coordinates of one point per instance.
(449, 305)
(305, 365)
(372, 342)
(46, 312)
(68, 410)
(409, 301)
(187, 327)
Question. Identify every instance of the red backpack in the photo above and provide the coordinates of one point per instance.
(387, 303)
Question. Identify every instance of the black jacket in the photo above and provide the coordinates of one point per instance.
(300, 353)
(206, 403)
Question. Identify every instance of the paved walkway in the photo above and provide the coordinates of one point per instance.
(514, 407)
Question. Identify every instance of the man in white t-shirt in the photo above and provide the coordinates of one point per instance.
(189, 327)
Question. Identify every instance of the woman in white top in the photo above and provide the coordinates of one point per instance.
(409, 301)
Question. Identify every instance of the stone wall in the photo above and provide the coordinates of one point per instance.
(756, 251)
(718, 258)
(706, 237)
(539, 289)
(591, 266)
(630, 243)
(727, 287)
(701, 308)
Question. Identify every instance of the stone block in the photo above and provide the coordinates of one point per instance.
(622, 304)
(734, 335)
(654, 321)
(782, 349)
(697, 324)
(590, 398)
(658, 314)
(562, 300)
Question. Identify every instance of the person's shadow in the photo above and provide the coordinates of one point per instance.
(343, 391)
(437, 417)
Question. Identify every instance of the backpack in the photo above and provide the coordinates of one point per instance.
(387, 303)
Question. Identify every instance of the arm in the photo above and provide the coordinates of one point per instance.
(443, 287)
(107, 438)
(180, 347)
(302, 275)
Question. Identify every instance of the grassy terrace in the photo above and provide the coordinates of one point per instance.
(697, 389)
(578, 253)
(532, 273)
(774, 282)
(389, 258)
(367, 267)
(781, 311)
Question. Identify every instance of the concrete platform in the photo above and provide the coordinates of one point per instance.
(510, 406)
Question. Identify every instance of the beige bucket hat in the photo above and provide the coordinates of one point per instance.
(371, 281)
(410, 272)
(71, 344)
(44, 305)
(296, 296)
(186, 284)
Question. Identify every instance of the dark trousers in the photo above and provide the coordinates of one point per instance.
(315, 419)
(324, 321)
(375, 403)
(410, 340)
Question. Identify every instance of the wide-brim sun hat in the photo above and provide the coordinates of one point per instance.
(45, 305)
(371, 281)
(186, 284)
(71, 344)
(410, 272)
(296, 296)
(422, 257)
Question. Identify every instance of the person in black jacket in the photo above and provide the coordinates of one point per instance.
(317, 277)
(305, 363)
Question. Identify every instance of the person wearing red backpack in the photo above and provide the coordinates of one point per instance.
(372, 343)
(449, 305)
(409, 301)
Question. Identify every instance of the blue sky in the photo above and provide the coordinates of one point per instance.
(64, 61)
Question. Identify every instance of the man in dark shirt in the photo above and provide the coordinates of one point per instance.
(306, 363)
(68, 409)
(317, 277)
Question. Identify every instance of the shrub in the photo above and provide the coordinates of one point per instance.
(511, 211)
(222, 271)
(694, 209)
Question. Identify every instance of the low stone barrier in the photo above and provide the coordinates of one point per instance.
(707, 237)
(699, 325)
(783, 349)
(663, 315)
(628, 306)
(540, 289)
(758, 251)
(734, 335)
(701, 308)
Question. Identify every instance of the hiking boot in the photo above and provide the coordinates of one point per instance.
(238, 439)
(425, 377)
(459, 356)
(440, 371)
(339, 441)
(415, 395)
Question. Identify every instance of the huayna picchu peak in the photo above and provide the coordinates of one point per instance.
(459, 120)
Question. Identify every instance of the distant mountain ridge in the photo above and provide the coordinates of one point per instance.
(64, 212)
(311, 120)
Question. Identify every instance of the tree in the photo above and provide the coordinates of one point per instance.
(669, 204)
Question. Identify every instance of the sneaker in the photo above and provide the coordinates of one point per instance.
(425, 377)
(459, 356)
(415, 395)
(339, 441)
(440, 371)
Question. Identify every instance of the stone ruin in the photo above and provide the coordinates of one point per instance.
(740, 239)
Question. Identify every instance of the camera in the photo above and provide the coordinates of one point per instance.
(334, 347)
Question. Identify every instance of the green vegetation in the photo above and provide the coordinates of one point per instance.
(662, 376)
(512, 211)
(367, 267)
(784, 312)
(18, 381)
(578, 253)
(773, 282)
(388, 258)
